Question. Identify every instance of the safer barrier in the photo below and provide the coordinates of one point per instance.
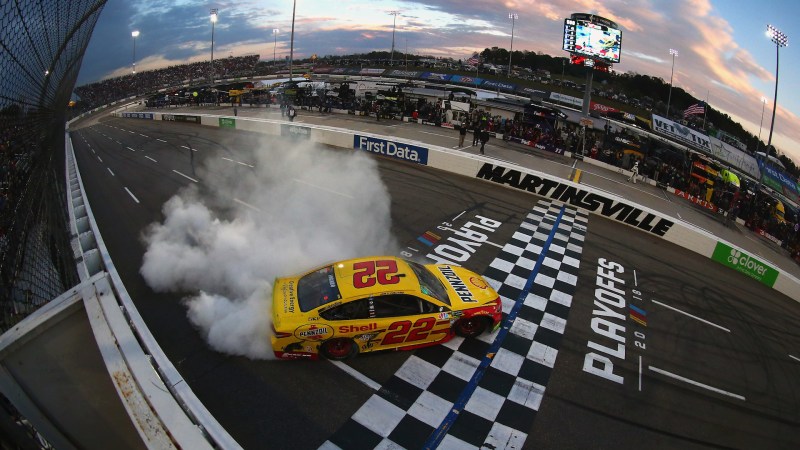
(517, 177)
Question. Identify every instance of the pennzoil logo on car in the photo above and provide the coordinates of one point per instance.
(458, 286)
(313, 332)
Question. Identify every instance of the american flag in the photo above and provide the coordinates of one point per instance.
(697, 108)
(476, 59)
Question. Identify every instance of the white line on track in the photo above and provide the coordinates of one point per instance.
(254, 208)
(99, 159)
(118, 142)
(185, 176)
(640, 373)
(794, 358)
(93, 151)
(132, 132)
(109, 171)
(151, 159)
(695, 383)
(144, 135)
(437, 134)
(459, 215)
(189, 148)
(357, 375)
(131, 194)
(160, 140)
(322, 188)
(679, 216)
(635, 280)
(130, 149)
(239, 162)
(693, 317)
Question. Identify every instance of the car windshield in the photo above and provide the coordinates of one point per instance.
(429, 284)
(317, 288)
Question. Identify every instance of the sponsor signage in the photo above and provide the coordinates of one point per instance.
(778, 180)
(404, 73)
(180, 118)
(550, 147)
(531, 92)
(372, 71)
(744, 263)
(563, 192)
(681, 133)
(392, 149)
(696, 200)
(295, 131)
(568, 99)
(492, 84)
(466, 80)
(138, 115)
(436, 76)
(227, 122)
(734, 157)
(601, 108)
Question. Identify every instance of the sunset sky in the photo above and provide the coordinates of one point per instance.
(723, 50)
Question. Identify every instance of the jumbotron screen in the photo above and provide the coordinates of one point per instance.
(592, 40)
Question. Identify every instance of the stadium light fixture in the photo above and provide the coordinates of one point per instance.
(780, 40)
(674, 53)
(213, 17)
(291, 42)
(134, 34)
(394, 23)
(513, 17)
(275, 32)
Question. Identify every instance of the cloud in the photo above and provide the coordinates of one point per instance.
(226, 242)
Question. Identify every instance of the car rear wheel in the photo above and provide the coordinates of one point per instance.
(339, 349)
(471, 327)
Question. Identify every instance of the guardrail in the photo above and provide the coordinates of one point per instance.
(168, 396)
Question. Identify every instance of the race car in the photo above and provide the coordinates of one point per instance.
(378, 303)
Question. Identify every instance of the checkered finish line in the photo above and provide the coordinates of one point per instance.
(442, 396)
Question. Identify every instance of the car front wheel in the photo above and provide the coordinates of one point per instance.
(339, 349)
(471, 327)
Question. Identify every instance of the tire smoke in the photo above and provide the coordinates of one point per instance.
(260, 215)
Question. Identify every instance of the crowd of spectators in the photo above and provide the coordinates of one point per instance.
(106, 91)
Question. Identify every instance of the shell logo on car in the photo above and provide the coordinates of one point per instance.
(378, 303)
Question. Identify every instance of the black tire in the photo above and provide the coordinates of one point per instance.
(471, 327)
(338, 349)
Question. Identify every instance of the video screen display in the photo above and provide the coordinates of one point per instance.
(592, 40)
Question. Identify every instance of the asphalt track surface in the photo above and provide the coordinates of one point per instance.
(715, 363)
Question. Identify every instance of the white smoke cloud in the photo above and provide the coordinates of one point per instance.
(227, 240)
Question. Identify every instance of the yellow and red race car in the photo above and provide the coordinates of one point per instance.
(378, 303)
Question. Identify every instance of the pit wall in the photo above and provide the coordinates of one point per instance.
(515, 177)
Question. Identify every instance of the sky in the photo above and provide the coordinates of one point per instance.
(723, 52)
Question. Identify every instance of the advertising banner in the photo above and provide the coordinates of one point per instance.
(744, 263)
(568, 99)
(137, 115)
(550, 147)
(601, 108)
(436, 76)
(295, 131)
(403, 73)
(227, 122)
(180, 118)
(734, 157)
(501, 85)
(392, 149)
(779, 180)
(681, 133)
(466, 80)
(373, 72)
(531, 92)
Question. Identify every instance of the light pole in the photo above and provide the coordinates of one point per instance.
(291, 44)
(214, 12)
(780, 40)
(513, 17)
(135, 34)
(763, 105)
(394, 22)
(674, 53)
(275, 32)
